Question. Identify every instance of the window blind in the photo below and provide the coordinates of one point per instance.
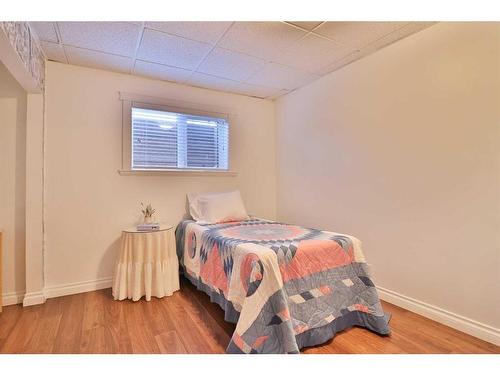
(170, 140)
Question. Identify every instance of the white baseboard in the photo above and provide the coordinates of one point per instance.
(34, 298)
(79, 287)
(29, 299)
(472, 327)
(12, 298)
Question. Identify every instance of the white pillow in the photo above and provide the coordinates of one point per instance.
(217, 207)
(193, 206)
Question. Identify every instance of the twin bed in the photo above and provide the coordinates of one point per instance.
(285, 286)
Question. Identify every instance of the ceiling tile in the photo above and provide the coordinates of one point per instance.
(408, 29)
(255, 90)
(232, 65)
(313, 53)
(163, 72)
(281, 77)
(99, 60)
(260, 39)
(45, 31)
(208, 32)
(171, 50)
(211, 82)
(403, 32)
(54, 51)
(308, 25)
(278, 94)
(119, 38)
(341, 62)
(357, 34)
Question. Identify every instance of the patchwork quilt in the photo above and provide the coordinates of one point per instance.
(285, 286)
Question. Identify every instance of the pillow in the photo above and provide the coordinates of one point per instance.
(193, 206)
(217, 207)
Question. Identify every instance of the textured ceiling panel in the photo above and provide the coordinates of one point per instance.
(400, 33)
(158, 71)
(54, 51)
(99, 60)
(257, 91)
(340, 63)
(261, 39)
(171, 50)
(46, 31)
(357, 34)
(232, 65)
(119, 38)
(208, 32)
(312, 53)
(280, 77)
(211, 82)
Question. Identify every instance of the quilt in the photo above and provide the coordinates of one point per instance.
(285, 286)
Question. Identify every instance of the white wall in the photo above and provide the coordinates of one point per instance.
(12, 183)
(34, 268)
(87, 203)
(402, 149)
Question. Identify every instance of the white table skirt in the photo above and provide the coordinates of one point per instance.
(147, 266)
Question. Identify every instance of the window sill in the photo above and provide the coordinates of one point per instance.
(178, 172)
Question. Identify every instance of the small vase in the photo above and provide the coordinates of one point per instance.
(148, 219)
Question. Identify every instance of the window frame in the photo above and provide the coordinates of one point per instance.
(147, 102)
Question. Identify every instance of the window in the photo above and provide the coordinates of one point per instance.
(162, 139)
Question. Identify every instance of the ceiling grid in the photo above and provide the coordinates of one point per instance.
(261, 59)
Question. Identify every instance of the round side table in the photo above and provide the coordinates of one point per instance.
(147, 264)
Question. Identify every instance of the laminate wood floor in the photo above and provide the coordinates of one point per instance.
(188, 322)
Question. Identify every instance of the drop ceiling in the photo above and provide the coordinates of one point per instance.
(261, 59)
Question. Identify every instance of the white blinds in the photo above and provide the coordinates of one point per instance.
(169, 140)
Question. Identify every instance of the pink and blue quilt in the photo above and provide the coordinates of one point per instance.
(285, 286)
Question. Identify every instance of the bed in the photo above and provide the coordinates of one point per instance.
(284, 286)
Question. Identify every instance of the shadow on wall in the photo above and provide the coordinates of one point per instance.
(20, 192)
(13, 181)
(107, 264)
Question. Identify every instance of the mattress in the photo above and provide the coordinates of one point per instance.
(284, 286)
